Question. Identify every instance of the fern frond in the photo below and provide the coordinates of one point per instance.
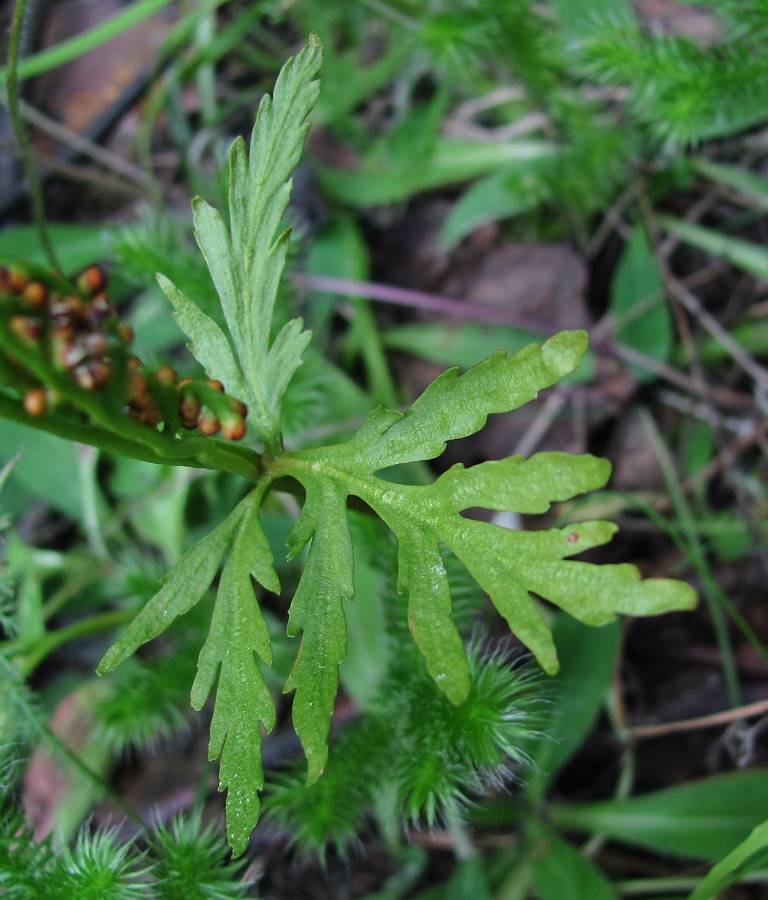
(246, 257)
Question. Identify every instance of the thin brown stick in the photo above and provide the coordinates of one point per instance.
(711, 721)
(740, 356)
(724, 458)
(82, 145)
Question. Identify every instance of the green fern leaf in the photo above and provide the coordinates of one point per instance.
(237, 632)
(508, 565)
(317, 611)
(210, 345)
(246, 258)
(183, 587)
(243, 700)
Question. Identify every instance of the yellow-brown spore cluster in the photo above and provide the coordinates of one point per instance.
(77, 333)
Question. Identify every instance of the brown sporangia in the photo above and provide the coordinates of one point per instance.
(74, 327)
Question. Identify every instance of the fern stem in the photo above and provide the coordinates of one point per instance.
(108, 432)
(20, 132)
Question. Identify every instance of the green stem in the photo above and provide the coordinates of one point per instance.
(33, 652)
(73, 587)
(71, 431)
(664, 887)
(22, 139)
(205, 33)
(193, 453)
(366, 335)
(87, 461)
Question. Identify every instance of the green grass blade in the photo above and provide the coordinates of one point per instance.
(80, 44)
(750, 257)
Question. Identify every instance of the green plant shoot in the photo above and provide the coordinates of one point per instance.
(245, 253)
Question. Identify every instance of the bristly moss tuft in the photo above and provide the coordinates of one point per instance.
(191, 862)
(682, 92)
(435, 758)
(182, 861)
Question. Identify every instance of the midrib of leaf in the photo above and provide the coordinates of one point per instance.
(297, 464)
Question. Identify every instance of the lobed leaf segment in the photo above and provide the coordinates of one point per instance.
(246, 257)
(515, 568)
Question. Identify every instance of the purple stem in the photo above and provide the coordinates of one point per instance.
(383, 293)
